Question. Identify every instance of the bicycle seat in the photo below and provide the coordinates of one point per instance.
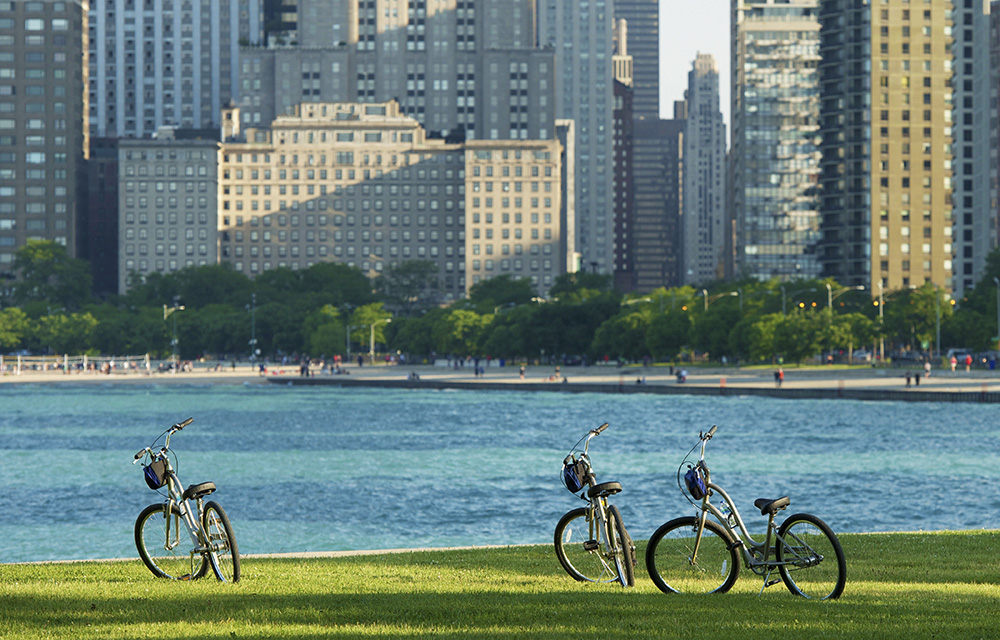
(604, 489)
(198, 490)
(771, 506)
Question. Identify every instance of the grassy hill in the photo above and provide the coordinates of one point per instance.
(914, 585)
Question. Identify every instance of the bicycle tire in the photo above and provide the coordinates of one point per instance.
(582, 557)
(225, 557)
(668, 558)
(621, 547)
(818, 570)
(151, 542)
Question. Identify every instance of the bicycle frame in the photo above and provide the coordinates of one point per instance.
(759, 557)
(192, 521)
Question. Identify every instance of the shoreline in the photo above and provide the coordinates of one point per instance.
(856, 383)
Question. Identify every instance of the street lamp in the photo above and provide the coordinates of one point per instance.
(167, 312)
(710, 300)
(831, 296)
(253, 328)
(997, 282)
(793, 294)
(371, 343)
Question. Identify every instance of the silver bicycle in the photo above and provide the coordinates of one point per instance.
(694, 554)
(158, 529)
(591, 542)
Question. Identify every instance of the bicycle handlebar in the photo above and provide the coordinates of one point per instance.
(599, 429)
(181, 425)
(711, 432)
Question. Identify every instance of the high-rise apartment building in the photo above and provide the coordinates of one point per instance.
(657, 173)
(775, 138)
(168, 204)
(362, 184)
(887, 136)
(580, 34)
(624, 242)
(705, 227)
(974, 108)
(165, 62)
(43, 133)
(467, 69)
(643, 18)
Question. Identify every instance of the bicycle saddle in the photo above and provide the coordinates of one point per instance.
(198, 490)
(771, 506)
(604, 489)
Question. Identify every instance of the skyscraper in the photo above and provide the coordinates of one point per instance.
(165, 62)
(465, 70)
(580, 34)
(775, 138)
(704, 225)
(643, 18)
(43, 133)
(887, 134)
(975, 216)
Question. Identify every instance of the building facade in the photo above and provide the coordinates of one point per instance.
(467, 69)
(362, 184)
(775, 138)
(168, 191)
(705, 227)
(643, 18)
(887, 134)
(165, 62)
(624, 241)
(658, 197)
(43, 133)
(974, 107)
(580, 35)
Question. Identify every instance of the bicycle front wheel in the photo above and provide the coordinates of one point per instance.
(580, 549)
(675, 568)
(225, 556)
(812, 560)
(621, 547)
(164, 544)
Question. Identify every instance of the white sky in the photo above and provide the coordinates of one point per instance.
(687, 28)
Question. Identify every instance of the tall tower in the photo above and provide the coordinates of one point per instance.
(887, 134)
(465, 69)
(166, 62)
(975, 215)
(580, 34)
(704, 224)
(643, 17)
(775, 138)
(43, 132)
(624, 243)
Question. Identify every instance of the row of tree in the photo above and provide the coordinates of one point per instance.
(330, 309)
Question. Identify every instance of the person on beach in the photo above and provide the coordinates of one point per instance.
(954, 363)
(927, 368)
(968, 362)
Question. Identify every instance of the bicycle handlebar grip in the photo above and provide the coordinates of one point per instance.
(601, 428)
(181, 425)
(711, 432)
(139, 455)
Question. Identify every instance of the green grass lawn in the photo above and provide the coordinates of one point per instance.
(919, 585)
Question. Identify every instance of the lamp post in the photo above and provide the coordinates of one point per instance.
(167, 312)
(996, 281)
(793, 294)
(253, 328)
(371, 343)
(709, 300)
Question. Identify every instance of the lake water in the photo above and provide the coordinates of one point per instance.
(323, 469)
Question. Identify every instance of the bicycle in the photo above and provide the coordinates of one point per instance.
(158, 527)
(591, 542)
(697, 555)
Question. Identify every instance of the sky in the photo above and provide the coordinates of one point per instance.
(688, 28)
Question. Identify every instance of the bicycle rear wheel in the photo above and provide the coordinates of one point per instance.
(225, 556)
(581, 549)
(621, 547)
(816, 567)
(674, 568)
(164, 544)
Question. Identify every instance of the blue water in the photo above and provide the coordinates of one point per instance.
(322, 469)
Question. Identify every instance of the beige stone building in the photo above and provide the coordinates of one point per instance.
(361, 184)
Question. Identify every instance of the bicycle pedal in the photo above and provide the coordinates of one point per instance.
(771, 583)
(591, 545)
